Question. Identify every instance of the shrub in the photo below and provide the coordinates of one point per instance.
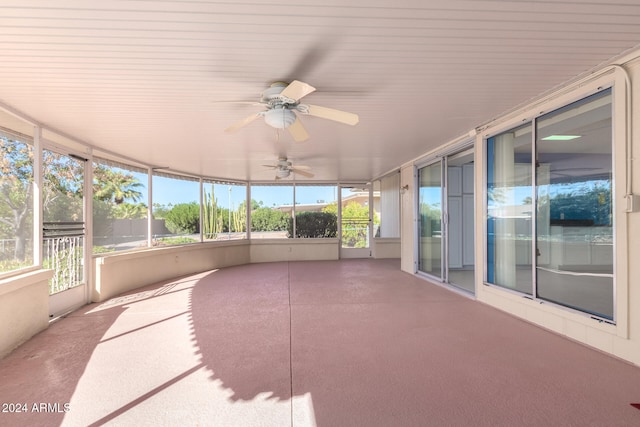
(267, 219)
(314, 225)
(184, 218)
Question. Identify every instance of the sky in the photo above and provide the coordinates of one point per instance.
(167, 190)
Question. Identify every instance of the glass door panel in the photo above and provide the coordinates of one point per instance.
(355, 221)
(460, 224)
(510, 210)
(430, 219)
(64, 230)
(574, 223)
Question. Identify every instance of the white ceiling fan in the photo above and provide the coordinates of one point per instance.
(281, 100)
(284, 168)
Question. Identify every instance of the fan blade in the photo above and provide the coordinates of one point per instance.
(297, 90)
(270, 166)
(301, 172)
(303, 167)
(297, 131)
(335, 115)
(242, 123)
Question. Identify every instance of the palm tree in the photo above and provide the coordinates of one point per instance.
(115, 186)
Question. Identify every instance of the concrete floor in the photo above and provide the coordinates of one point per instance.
(328, 343)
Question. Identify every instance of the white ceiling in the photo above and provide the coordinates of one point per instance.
(143, 78)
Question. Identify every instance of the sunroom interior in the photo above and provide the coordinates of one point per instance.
(491, 153)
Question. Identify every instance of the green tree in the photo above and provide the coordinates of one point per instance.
(160, 211)
(184, 218)
(267, 219)
(355, 223)
(62, 190)
(109, 184)
(16, 189)
(129, 211)
(314, 225)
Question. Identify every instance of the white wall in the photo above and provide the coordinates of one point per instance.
(272, 250)
(24, 308)
(118, 273)
(386, 247)
(407, 213)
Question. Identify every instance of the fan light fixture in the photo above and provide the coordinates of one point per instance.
(279, 118)
(282, 173)
(282, 102)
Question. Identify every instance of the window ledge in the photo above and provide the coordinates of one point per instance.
(20, 281)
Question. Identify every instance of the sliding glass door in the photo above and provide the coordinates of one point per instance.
(460, 221)
(430, 219)
(550, 207)
(446, 220)
(574, 225)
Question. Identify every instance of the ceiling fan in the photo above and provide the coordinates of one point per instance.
(281, 100)
(284, 168)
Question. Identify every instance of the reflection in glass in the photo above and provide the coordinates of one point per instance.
(509, 210)
(574, 212)
(430, 215)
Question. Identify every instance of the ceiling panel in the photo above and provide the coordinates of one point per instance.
(150, 79)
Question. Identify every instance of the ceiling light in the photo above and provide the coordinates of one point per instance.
(561, 137)
(282, 173)
(279, 118)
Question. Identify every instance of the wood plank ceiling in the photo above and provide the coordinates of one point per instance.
(145, 78)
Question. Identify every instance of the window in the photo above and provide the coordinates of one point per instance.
(176, 210)
(271, 211)
(16, 197)
(316, 212)
(224, 211)
(119, 207)
(550, 217)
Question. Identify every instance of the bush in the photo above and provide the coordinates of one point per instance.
(314, 225)
(267, 219)
(184, 218)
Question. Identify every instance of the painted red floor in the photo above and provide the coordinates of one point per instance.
(335, 343)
